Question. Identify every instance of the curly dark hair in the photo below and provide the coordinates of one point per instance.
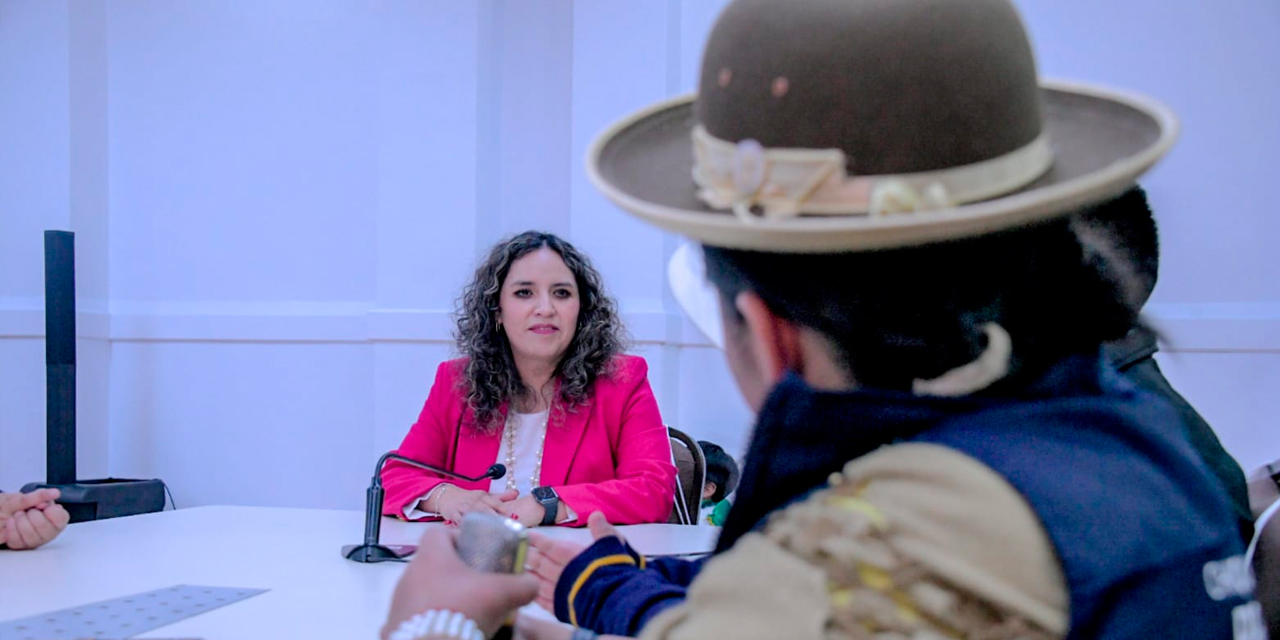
(490, 378)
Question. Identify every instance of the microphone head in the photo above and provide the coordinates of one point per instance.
(497, 471)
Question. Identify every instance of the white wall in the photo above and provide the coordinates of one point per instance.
(276, 204)
(53, 175)
(1218, 296)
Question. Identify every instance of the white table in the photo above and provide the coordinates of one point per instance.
(314, 591)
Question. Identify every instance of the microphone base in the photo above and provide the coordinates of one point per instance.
(378, 552)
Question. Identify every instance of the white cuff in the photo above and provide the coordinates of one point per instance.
(569, 515)
(437, 623)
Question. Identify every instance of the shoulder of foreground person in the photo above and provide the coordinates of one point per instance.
(909, 540)
(1146, 374)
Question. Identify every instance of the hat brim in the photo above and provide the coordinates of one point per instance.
(1102, 141)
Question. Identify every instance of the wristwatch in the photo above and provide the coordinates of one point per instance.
(546, 496)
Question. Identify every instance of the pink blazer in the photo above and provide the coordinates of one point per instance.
(612, 455)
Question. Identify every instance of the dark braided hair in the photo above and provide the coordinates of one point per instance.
(915, 313)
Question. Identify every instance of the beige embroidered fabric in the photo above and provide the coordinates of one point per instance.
(913, 541)
(757, 590)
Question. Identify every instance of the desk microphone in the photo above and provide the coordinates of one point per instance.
(371, 550)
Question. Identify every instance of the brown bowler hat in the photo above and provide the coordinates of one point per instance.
(850, 125)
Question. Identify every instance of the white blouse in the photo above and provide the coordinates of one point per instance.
(526, 443)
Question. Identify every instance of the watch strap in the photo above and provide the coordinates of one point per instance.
(550, 505)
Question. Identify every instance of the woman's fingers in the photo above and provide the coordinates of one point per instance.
(26, 534)
(58, 516)
(40, 496)
(494, 503)
(44, 529)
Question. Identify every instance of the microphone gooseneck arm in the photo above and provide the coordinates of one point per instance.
(371, 551)
(495, 472)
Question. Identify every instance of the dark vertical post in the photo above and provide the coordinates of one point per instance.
(60, 355)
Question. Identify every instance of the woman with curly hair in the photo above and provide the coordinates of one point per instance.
(543, 388)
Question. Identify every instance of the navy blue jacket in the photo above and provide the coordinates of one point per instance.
(1145, 533)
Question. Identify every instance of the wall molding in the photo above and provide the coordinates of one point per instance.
(1217, 326)
(1209, 327)
(300, 322)
(29, 323)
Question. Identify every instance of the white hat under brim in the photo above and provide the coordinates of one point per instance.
(698, 298)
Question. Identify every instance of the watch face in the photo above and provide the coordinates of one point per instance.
(544, 493)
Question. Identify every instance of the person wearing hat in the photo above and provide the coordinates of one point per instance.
(1128, 222)
(886, 200)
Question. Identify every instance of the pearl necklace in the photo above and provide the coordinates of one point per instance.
(509, 435)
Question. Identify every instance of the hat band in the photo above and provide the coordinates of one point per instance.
(786, 182)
